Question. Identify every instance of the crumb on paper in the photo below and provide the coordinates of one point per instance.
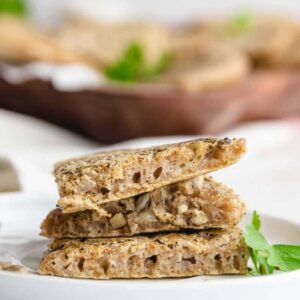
(5, 266)
(9, 181)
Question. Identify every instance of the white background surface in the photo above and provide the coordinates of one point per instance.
(169, 11)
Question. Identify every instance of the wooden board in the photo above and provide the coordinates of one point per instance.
(115, 114)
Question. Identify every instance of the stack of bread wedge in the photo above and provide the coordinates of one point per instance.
(149, 212)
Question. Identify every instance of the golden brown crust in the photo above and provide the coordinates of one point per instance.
(103, 177)
(166, 255)
(197, 203)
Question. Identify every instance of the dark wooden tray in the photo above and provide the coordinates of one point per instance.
(115, 114)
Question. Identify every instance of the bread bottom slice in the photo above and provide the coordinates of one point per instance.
(197, 203)
(164, 255)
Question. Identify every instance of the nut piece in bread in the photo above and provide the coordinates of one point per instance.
(197, 203)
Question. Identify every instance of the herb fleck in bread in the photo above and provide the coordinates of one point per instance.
(197, 203)
(167, 255)
(108, 176)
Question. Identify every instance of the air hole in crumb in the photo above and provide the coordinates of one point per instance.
(67, 266)
(152, 259)
(236, 262)
(218, 257)
(136, 178)
(104, 265)
(157, 172)
(159, 242)
(104, 191)
(218, 261)
(173, 188)
(80, 263)
(191, 259)
(133, 261)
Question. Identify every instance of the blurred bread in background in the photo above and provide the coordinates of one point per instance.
(265, 39)
(291, 57)
(203, 56)
(21, 42)
(104, 43)
(211, 66)
(146, 78)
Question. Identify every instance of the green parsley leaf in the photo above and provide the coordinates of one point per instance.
(255, 239)
(127, 68)
(131, 67)
(240, 23)
(15, 7)
(256, 220)
(265, 257)
(285, 257)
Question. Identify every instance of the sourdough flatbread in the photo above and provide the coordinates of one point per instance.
(167, 255)
(105, 44)
(265, 41)
(20, 42)
(108, 176)
(207, 68)
(197, 203)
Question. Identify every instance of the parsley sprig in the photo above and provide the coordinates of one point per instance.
(14, 7)
(131, 67)
(267, 258)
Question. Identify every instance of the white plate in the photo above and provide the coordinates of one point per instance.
(21, 215)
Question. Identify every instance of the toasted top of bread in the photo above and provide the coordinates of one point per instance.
(164, 255)
(109, 176)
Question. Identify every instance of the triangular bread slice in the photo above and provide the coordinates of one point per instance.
(108, 176)
(166, 255)
(197, 203)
